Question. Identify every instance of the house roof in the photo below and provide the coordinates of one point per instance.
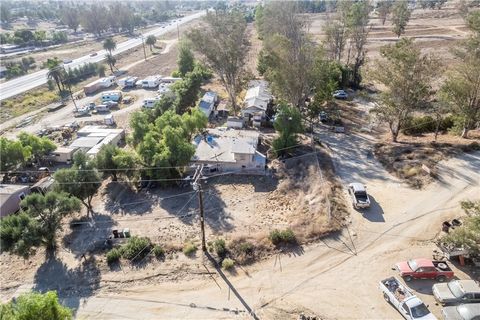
(256, 102)
(221, 144)
(86, 142)
(63, 150)
(8, 189)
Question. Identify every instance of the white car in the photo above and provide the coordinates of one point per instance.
(359, 195)
(340, 94)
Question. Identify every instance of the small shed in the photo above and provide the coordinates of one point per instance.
(63, 154)
(235, 122)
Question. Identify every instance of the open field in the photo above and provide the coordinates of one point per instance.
(435, 31)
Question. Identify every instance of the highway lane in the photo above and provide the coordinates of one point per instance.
(21, 84)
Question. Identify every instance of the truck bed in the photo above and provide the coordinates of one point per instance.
(441, 266)
(394, 286)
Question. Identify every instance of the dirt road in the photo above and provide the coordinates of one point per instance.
(336, 278)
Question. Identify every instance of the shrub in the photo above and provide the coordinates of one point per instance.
(113, 255)
(227, 264)
(158, 251)
(189, 249)
(136, 248)
(282, 236)
(245, 247)
(220, 247)
(425, 124)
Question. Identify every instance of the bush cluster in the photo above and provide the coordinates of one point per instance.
(220, 247)
(227, 264)
(113, 255)
(189, 249)
(136, 248)
(426, 124)
(282, 236)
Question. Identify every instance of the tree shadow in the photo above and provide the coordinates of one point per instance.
(374, 213)
(89, 236)
(74, 285)
(121, 199)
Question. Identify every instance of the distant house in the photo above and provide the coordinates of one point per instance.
(229, 150)
(92, 138)
(63, 154)
(10, 197)
(207, 104)
(256, 101)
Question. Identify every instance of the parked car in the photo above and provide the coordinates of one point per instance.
(111, 104)
(424, 269)
(93, 54)
(67, 61)
(469, 311)
(409, 305)
(465, 291)
(323, 116)
(340, 94)
(81, 112)
(91, 106)
(358, 193)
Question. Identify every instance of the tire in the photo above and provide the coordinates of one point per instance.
(385, 296)
(441, 278)
(408, 278)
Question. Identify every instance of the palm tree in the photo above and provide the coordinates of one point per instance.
(55, 72)
(111, 61)
(109, 45)
(151, 39)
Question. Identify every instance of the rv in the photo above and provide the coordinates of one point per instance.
(170, 79)
(102, 108)
(150, 103)
(112, 96)
(151, 82)
(128, 82)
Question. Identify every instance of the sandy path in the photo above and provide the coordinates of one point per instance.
(336, 278)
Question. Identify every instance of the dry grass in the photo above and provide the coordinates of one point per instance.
(405, 159)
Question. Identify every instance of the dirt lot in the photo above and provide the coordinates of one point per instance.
(435, 31)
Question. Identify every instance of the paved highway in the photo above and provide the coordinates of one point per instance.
(21, 84)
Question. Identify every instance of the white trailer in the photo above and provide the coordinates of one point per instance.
(112, 96)
(150, 103)
(151, 81)
(127, 82)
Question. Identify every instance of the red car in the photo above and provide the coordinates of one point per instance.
(424, 269)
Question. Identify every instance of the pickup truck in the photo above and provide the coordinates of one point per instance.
(424, 269)
(358, 193)
(409, 305)
(457, 291)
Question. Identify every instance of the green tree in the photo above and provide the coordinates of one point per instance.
(109, 45)
(150, 41)
(468, 234)
(19, 234)
(39, 147)
(224, 44)
(384, 8)
(400, 16)
(101, 70)
(82, 180)
(48, 210)
(55, 72)
(13, 154)
(94, 19)
(408, 77)
(111, 61)
(126, 161)
(5, 13)
(287, 124)
(71, 17)
(186, 60)
(104, 160)
(187, 91)
(38, 306)
(461, 91)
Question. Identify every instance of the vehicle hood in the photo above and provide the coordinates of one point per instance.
(403, 267)
(451, 313)
(443, 293)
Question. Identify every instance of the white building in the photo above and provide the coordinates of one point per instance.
(229, 150)
(92, 138)
(256, 100)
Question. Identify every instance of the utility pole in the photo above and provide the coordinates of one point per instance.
(197, 186)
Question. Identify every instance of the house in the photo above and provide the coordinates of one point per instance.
(63, 154)
(92, 138)
(10, 197)
(229, 150)
(151, 81)
(208, 102)
(257, 100)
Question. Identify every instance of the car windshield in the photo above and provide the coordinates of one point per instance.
(361, 195)
(412, 264)
(456, 288)
(419, 311)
